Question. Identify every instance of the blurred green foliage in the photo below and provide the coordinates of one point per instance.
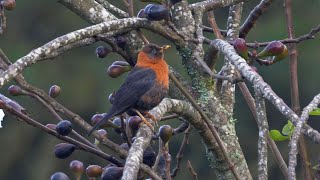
(26, 152)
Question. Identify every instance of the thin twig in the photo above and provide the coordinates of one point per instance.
(310, 35)
(114, 10)
(272, 145)
(3, 20)
(294, 88)
(212, 55)
(214, 26)
(124, 132)
(56, 115)
(172, 116)
(167, 158)
(80, 145)
(179, 156)
(131, 14)
(156, 163)
(192, 171)
(209, 29)
(181, 128)
(253, 17)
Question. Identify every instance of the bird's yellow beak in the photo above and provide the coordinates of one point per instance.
(165, 47)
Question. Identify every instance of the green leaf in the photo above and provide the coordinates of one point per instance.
(277, 136)
(315, 112)
(288, 129)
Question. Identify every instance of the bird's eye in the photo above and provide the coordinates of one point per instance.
(154, 51)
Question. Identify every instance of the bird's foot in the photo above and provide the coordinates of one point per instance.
(149, 115)
(145, 120)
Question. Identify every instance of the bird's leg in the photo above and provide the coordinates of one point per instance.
(144, 120)
(152, 117)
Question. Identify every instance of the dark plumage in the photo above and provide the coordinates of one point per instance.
(145, 86)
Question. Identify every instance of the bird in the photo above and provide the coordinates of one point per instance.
(145, 86)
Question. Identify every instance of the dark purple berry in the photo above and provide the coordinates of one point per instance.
(134, 122)
(102, 51)
(64, 127)
(77, 168)
(15, 90)
(112, 173)
(149, 156)
(63, 150)
(102, 133)
(121, 41)
(155, 12)
(117, 121)
(54, 91)
(141, 14)
(59, 176)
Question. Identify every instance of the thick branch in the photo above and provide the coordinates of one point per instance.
(75, 36)
(135, 155)
(182, 108)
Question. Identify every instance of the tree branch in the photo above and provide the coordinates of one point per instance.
(113, 9)
(253, 17)
(295, 136)
(72, 37)
(214, 4)
(263, 133)
(227, 50)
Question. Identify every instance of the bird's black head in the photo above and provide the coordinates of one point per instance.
(154, 51)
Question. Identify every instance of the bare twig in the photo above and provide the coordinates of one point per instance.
(294, 88)
(209, 29)
(179, 156)
(167, 158)
(214, 26)
(310, 35)
(192, 171)
(80, 145)
(129, 4)
(227, 89)
(113, 9)
(3, 20)
(272, 145)
(253, 17)
(172, 116)
(56, 115)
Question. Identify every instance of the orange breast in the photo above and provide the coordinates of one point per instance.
(159, 66)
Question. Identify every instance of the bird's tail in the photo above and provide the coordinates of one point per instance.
(105, 118)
